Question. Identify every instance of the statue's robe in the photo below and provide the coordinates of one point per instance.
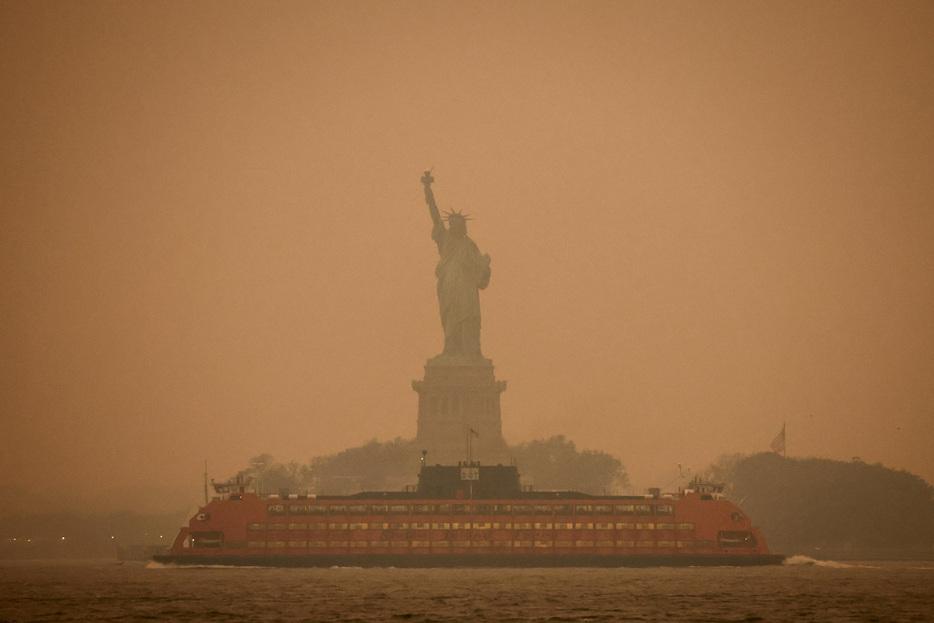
(462, 273)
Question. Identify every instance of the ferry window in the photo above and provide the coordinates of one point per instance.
(461, 509)
(399, 509)
(207, 539)
(357, 509)
(502, 509)
(298, 509)
(482, 509)
(685, 526)
(585, 509)
(603, 509)
(562, 509)
(276, 509)
(543, 509)
(441, 509)
(664, 509)
(736, 538)
(522, 509)
(337, 509)
(421, 509)
(625, 509)
(379, 509)
(317, 509)
(643, 509)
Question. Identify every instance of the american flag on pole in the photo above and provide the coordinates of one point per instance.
(778, 444)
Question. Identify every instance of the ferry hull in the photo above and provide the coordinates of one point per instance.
(422, 561)
(470, 516)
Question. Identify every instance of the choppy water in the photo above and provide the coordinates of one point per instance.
(801, 591)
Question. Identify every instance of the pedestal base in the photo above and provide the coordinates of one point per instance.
(459, 415)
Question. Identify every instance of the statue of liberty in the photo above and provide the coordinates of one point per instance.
(462, 272)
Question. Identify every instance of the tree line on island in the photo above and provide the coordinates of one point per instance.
(831, 509)
(550, 464)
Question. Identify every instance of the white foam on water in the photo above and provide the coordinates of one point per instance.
(800, 560)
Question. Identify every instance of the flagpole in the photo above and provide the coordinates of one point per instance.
(469, 440)
(470, 434)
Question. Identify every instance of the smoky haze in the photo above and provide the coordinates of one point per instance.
(705, 219)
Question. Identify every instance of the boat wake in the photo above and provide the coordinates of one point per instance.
(152, 564)
(807, 561)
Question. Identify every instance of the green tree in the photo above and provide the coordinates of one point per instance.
(553, 463)
(556, 464)
(834, 508)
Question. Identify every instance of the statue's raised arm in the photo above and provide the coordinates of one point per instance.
(427, 179)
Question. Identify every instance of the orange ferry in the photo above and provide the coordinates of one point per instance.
(470, 515)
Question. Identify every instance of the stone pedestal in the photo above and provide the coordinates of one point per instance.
(459, 413)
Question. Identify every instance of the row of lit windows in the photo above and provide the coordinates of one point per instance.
(471, 509)
(477, 544)
(471, 526)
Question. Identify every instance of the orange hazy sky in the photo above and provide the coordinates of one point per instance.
(706, 219)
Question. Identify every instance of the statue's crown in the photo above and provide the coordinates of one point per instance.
(455, 215)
